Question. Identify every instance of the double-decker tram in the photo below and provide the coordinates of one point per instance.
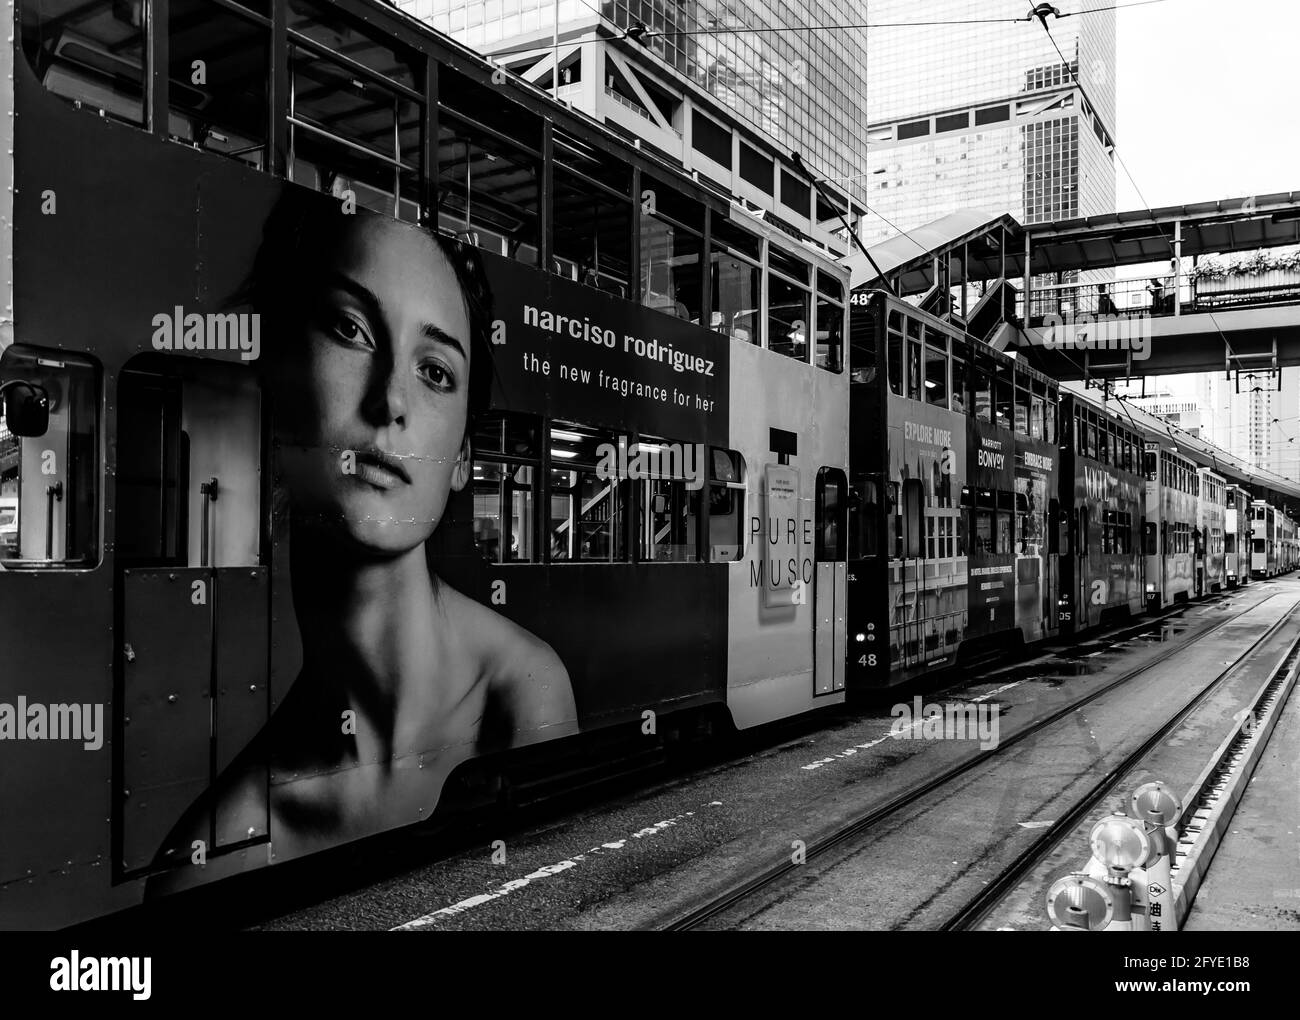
(1211, 510)
(1102, 491)
(1236, 536)
(1170, 523)
(1263, 546)
(953, 525)
(370, 417)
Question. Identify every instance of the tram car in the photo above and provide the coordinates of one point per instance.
(1236, 537)
(1211, 513)
(1286, 540)
(1170, 525)
(1263, 546)
(421, 426)
(954, 479)
(1102, 491)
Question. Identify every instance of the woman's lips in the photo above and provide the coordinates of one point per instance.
(382, 470)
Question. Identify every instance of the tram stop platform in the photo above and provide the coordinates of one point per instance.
(1253, 883)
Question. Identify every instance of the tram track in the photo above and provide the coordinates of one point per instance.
(765, 881)
(979, 906)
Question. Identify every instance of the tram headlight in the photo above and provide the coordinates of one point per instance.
(1151, 589)
(859, 637)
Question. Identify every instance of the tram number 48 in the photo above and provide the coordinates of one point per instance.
(867, 660)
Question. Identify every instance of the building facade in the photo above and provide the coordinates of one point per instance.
(985, 115)
(725, 88)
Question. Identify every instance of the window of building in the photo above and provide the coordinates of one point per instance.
(795, 193)
(710, 138)
(992, 115)
(756, 169)
(507, 471)
(913, 129)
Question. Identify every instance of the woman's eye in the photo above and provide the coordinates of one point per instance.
(437, 375)
(347, 329)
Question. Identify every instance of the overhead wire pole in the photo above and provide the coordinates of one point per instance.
(799, 165)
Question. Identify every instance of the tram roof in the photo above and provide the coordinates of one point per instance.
(1202, 451)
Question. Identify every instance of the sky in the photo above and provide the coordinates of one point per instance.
(1217, 84)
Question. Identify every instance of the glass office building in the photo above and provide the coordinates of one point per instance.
(986, 115)
(710, 86)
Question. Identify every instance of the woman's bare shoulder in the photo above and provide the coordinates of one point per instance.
(523, 672)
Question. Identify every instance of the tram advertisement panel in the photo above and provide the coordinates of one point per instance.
(991, 501)
(390, 587)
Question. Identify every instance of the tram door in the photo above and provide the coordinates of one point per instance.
(193, 604)
(830, 593)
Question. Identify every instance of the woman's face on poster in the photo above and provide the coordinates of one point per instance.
(378, 386)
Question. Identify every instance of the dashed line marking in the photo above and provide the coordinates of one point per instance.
(547, 870)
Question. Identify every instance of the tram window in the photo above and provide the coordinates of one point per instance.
(913, 369)
(592, 234)
(787, 315)
(960, 355)
(1051, 409)
(668, 513)
(586, 522)
(488, 189)
(1090, 438)
(348, 135)
(93, 52)
(1148, 538)
(1036, 418)
(225, 112)
(936, 368)
(1022, 411)
(507, 464)
(984, 541)
(829, 512)
(830, 323)
(325, 24)
(982, 388)
(913, 509)
(48, 483)
(1003, 405)
(726, 505)
(864, 510)
(671, 268)
(895, 354)
(736, 282)
(1004, 543)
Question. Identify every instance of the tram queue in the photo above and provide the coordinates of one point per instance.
(382, 552)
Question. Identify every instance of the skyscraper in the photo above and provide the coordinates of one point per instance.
(726, 88)
(981, 112)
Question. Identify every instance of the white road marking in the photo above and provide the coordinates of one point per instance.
(847, 752)
(428, 920)
(1037, 825)
(997, 691)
